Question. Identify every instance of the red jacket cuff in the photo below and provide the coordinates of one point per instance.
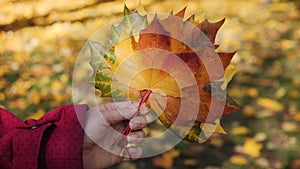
(52, 142)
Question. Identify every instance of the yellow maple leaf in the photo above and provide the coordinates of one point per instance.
(149, 71)
(123, 50)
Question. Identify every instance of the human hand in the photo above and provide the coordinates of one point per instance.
(103, 127)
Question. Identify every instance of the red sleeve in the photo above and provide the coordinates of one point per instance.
(52, 142)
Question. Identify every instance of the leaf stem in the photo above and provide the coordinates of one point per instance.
(122, 141)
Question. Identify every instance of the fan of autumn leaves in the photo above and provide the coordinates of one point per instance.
(125, 70)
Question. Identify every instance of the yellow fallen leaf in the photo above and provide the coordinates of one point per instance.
(252, 148)
(252, 92)
(3, 83)
(280, 92)
(296, 116)
(260, 136)
(2, 96)
(240, 130)
(296, 82)
(294, 94)
(35, 97)
(190, 162)
(59, 97)
(36, 115)
(289, 127)
(20, 88)
(127, 165)
(262, 162)
(3, 71)
(175, 153)
(56, 85)
(238, 160)
(248, 110)
(270, 104)
(166, 160)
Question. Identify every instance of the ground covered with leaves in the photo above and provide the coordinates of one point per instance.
(40, 42)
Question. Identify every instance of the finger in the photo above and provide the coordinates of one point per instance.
(119, 111)
(136, 136)
(138, 123)
(117, 105)
(132, 153)
(144, 109)
(119, 127)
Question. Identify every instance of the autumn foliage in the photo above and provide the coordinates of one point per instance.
(41, 41)
(138, 45)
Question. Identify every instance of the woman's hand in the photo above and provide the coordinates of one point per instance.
(103, 127)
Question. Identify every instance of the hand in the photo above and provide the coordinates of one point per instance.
(103, 127)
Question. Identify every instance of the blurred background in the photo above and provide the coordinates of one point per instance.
(40, 42)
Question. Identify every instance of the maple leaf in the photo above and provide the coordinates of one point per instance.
(176, 60)
(210, 29)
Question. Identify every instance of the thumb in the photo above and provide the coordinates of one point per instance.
(118, 111)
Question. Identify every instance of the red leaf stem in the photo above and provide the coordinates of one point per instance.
(122, 141)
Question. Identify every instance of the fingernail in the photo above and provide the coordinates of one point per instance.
(131, 138)
(132, 150)
(133, 124)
